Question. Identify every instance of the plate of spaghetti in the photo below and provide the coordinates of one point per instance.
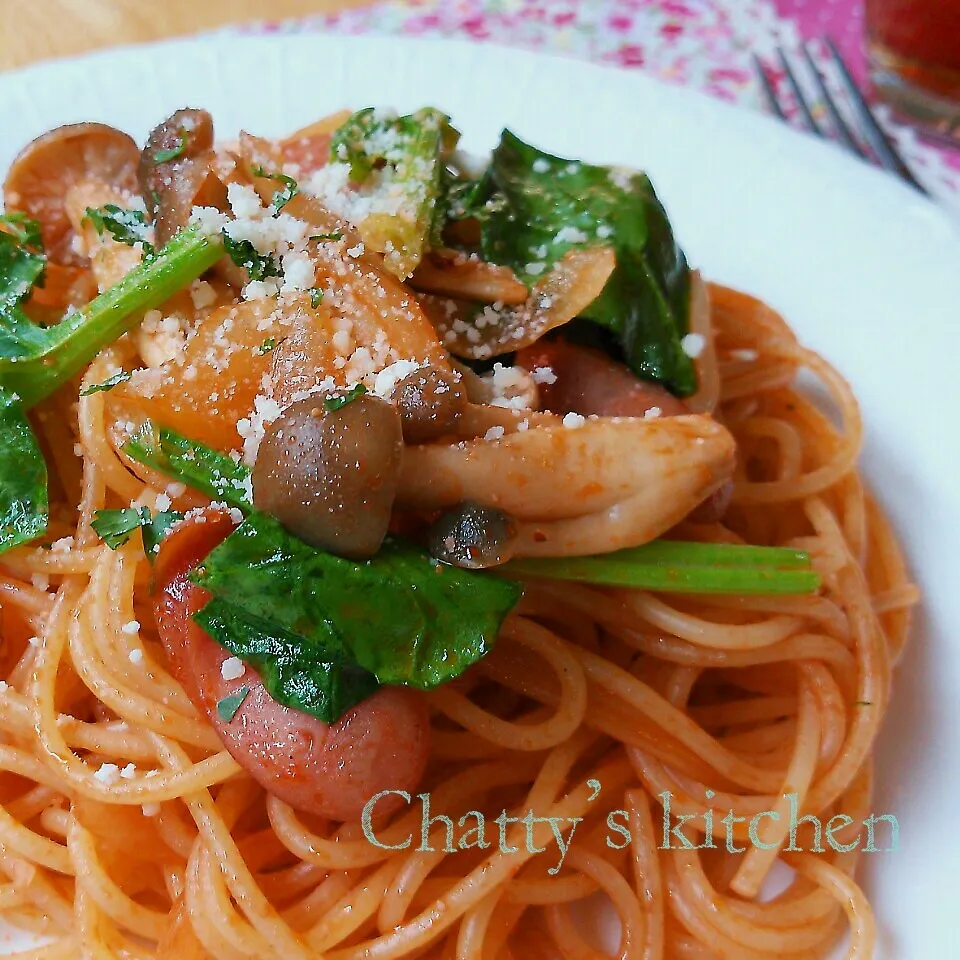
(422, 534)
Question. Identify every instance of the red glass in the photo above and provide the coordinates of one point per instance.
(918, 41)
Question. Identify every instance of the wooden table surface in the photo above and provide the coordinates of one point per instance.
(32, 30)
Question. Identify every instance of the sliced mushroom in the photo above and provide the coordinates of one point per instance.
(571, 286)
(177, 171)
(449, 273)
(49, 166)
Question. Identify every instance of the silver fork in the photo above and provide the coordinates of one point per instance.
(881, 148)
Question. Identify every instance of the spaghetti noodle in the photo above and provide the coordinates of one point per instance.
(126, 828)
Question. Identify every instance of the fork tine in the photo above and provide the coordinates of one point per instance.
(882, 145)
(839, 124)
(805, 113)
(769, 94)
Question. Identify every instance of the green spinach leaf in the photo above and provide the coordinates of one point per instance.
(217, 476)
(534, 207)
(23, 476)
(400, 617)
(35, 360)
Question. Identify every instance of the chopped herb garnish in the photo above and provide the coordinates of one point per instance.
(115, 527)
(227, 707)
(122, 377)
(125, 226)
(332, 404)
(266, 346)
(24, 229)
(316, 295)
(283, 196)
(244, 254)
(336, 235)
(171, 153)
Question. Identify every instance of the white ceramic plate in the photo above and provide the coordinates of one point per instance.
(866, 271)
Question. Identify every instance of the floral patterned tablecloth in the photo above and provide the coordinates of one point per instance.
(707, 44)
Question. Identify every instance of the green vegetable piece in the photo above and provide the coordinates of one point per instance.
(121, 377)
(20, 270)
(227, 707)
(23, 476)
(24, 229)
(297, 671)
(284, 195)
(125, 226)
(217, 476)
(534, 207)
(336, 235)
(244, 254)
(410, 151)
(400, 616)
(35, 360)
(171, 153)
(154, 531)
(316, 297)
(332, 404)
(681, 567)
(115, 527)
(267, 346)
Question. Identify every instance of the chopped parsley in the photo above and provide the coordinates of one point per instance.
(266, 346)
(286, 193)
(332, 404)
(227, 707)
(115, 527)
(107, 384)
(316, 295)
(336, 235)
(244, 254)
(24, 229)
(125, 226)
(171, 153)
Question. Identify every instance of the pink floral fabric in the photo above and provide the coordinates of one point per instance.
(706, 44)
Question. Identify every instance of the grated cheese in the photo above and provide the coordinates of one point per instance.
(108, 773)
(130, 627)
(232, 668)
(692, 344)
(573, 420)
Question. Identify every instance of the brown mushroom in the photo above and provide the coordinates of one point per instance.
(431, 402)
(45, 170)
(472, 536)
(329, 473)
(177, 171)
